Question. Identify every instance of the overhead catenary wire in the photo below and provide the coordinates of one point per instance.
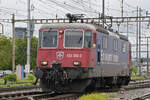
(50, 6)
(65, 5)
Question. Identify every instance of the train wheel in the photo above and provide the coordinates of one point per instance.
(123, 81)
(91, 86)
(78, 86)
(120, 82)
(127, 80)
(45, 86)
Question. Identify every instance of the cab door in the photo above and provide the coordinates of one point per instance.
(93, 49)
(98, 48)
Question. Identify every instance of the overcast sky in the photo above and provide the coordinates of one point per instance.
(91, 8)
(51, 8)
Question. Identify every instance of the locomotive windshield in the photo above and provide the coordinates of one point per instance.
(87, 39)
(49, 39)
(73, 38)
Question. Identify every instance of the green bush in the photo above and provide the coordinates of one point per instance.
(31, 77)
(95, 96)
(10, 77)
(134, 70)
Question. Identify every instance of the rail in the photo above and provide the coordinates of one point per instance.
(38, 95)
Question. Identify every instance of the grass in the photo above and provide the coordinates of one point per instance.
(97, 96)
(17, 85)
(1, 81)
(137, 77)
(143, 76)
(25, 82)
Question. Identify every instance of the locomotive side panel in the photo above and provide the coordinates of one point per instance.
(111, 57)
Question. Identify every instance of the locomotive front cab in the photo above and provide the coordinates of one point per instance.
(69, 47)
(65, 53)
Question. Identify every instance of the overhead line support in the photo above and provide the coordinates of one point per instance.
(13, 41)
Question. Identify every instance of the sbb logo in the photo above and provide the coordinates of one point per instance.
(59, 55)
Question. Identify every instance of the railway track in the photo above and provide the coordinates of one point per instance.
(144, 97)
(11, 95)
(131, 86)
(38, 95)
(32, 93)
(12, 89)
(138, 84)
(136, 90)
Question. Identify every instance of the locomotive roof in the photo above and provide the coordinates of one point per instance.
(69, 25)
(83, 25)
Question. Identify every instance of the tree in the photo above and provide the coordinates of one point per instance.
(5, 52)
(21, 51)
(34, 44)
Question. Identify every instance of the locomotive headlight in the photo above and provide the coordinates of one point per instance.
(44, 63)
(61, 31)
(76, 63)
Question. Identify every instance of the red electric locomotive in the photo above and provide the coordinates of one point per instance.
(73, 57)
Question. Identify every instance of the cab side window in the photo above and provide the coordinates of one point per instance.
(115, 45)
(39, 41)
(88, 39)
(124, 46)
(104, 41)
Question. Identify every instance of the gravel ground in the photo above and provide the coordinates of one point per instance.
(129, 95)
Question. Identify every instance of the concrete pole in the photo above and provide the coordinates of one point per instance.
(127, 29)
(122, 8)
(103, 10)
(118, 24)
(28, 35)
(140, 41)
(147, 55)
(137, 35)
(13, 41)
